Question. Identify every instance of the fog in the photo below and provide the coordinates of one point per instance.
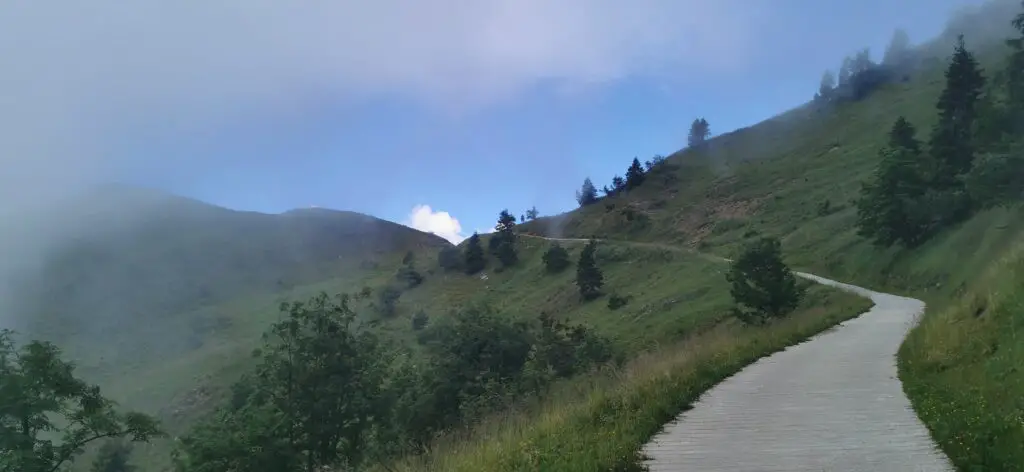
(83, 78)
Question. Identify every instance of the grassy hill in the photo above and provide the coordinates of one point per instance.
(160, 298)
(188, 289)
(796, 177)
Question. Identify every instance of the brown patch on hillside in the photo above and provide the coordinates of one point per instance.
(697, 222)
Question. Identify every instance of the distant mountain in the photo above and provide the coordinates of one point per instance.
(123, 254)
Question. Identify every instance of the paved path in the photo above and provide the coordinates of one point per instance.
(833, 403)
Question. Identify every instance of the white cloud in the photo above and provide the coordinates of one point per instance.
(425, 219)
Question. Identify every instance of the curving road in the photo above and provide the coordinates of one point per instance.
(832, 403)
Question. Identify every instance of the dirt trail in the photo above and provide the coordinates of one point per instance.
(832, 403)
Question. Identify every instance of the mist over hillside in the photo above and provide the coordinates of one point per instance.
(120, 256)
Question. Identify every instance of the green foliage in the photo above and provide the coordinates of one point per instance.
(700, 131)
(952, 140)
(634, 174)
(41, 400)
(617, 301)
(449, 259)
(113, 457)
(409, 258)
(532, 213)
(503, 241)
(587, 193)
(387, 300)
(762, 285)
(996, 179)
(408, 275)
(314, 400)
(893, 207)
(589, 278)
(556, 259)
(473, 260)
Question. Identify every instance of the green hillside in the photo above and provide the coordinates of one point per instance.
(187, 290)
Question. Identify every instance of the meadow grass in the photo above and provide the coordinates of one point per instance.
(961, 366)
(599, 421)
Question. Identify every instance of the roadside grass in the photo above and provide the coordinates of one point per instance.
(600, 421)
(796, 177)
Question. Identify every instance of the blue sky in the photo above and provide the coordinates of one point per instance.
(465, 107)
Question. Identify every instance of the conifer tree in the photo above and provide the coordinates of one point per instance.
(589, 278)
(700, 130)
(473, 258)
(587, 194)
(634, 174)
(952, 143)
(504, 239)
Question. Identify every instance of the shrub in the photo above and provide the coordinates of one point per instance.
(556, 259)
(761, 284)
(616, 301)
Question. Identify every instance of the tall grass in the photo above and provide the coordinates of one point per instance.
(600, 421)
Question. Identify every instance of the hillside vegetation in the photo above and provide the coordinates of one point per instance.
(801, 177)
(513, 352)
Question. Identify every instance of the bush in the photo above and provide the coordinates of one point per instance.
(449, 258)
(762, 285)
(616, 301)
(409, 276)
(996, 179)
(387, 300)
(556, 259)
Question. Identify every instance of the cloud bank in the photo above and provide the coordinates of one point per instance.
(81, 78)
(425, 219)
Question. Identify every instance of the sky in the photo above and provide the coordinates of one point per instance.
(437, 114)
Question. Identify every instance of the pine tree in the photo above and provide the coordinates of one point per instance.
(504, 239)
(473, 258)
(587, 194)
(898, 51)
(700, 130)
(634, 174)
(951, 142)
(532, 213)
(761, 283)
(556, 258)
(827, 87)
(903, 135)
(589, 278)
(845, 72)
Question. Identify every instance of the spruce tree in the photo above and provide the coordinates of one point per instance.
(473, 258)
(827, 87)
(503, 241)
(589, 278)
(761, 283)
(700, 130)
(634, 174)
(903, 135)
(951, 142)
(556, 259)
(898, 51)
(587, 194)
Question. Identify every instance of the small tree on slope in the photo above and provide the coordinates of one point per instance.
(762, 285)
(589, 279)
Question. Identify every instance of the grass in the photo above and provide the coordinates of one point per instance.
(600, 421)
(960, 367)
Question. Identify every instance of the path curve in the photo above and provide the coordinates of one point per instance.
(832, 403)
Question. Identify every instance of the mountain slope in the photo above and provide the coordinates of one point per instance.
(127, 260)
(796, 176)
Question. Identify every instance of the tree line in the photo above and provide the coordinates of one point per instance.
(970, 161)
(637, 172)
(859, 75)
